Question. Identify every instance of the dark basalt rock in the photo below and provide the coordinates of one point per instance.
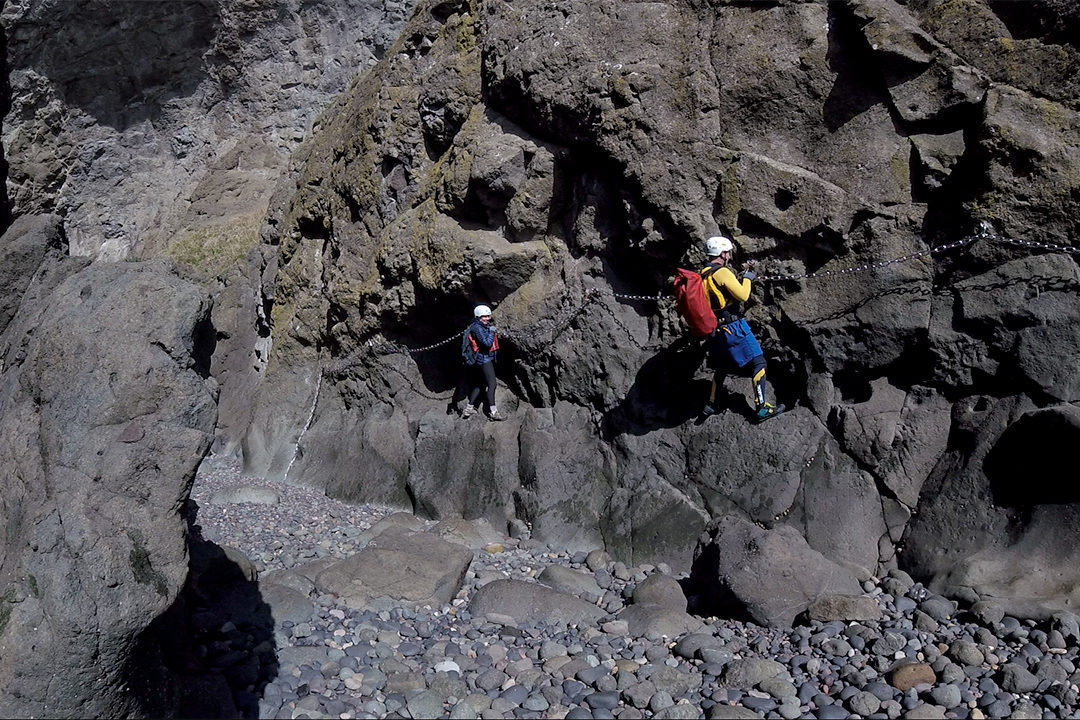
(558, 161)
(106, 410)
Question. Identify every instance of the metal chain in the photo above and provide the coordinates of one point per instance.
(1039, 245)
(432, 346)
(622, 296)
(875, 265)
(532, 333)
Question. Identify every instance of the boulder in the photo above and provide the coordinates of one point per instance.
(748, 672)
(790, 468)
(463, 469)
(104, 366)
(566, 477)
(410, 568)
(473, 534)
(848, 608)
(526, 603)
(770, 577)
(660, 589)
(1015, 490)
(573, 582)
(659, 609)
(654, 621)
(286, 603)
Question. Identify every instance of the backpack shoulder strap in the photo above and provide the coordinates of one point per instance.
(716, 298)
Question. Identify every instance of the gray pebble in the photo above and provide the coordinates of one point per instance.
(1018, 679)
(966, 653)
(948, 696)
(937, 607)
(762, 705)
(660, 700)
(682, 711)
(536, 703)
(607, 700)
(832, 712)
(905, 605)
(516, 694)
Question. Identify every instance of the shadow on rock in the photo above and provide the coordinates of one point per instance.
(1033, 456)
(664, 394)
(215, 643)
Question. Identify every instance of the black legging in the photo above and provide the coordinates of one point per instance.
(755, 369)
(480, 376)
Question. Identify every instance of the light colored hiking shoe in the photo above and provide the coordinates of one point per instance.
(468, 412)
(495, 417)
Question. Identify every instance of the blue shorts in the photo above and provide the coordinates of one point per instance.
(735, 341)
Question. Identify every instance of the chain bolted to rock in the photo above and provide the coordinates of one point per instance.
(530, 335)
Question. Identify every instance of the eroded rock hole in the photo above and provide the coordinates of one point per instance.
(784, 199)
(1033, 462)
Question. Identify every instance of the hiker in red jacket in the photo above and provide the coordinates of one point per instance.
(479, 345)
(732, 344)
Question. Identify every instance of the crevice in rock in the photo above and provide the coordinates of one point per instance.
(1028, 20)
(5, 106)
(204, 342)
(705, 596)
(312, 229)
(442, 11)
(857, 88)
(854, 386)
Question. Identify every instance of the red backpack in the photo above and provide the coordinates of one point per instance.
(693, 304)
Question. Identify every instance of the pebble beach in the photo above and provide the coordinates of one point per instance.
(926, 657)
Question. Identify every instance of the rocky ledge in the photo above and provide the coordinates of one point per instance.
(345, 611)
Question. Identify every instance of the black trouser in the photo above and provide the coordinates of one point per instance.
(755, 369)
(479, 376)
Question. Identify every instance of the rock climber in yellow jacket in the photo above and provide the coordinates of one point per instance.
(732, 344)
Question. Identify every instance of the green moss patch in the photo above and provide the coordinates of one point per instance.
(214, 249)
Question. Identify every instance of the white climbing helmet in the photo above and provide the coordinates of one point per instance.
(718, 244)
(481, 311)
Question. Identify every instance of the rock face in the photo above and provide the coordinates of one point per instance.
(558, 162)
(161, 128)
(195, 105)
(521, 155)
(107, 410)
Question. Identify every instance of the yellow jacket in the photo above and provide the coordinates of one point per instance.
(722, 283)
